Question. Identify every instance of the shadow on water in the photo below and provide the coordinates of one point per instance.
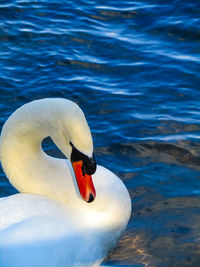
(161, 152)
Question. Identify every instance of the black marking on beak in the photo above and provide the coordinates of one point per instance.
(89, 163)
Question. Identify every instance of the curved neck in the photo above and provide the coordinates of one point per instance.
(26, 165)
(31, 170)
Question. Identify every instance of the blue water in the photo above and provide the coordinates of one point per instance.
(133, 67)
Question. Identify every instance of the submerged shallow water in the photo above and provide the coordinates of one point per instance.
(133, 67)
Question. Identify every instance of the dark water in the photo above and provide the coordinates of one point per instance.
(133, 67)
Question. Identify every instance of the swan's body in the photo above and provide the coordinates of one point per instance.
(48, 223)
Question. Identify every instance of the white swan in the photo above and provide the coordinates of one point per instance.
(49, 224)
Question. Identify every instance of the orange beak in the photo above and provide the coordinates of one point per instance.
(84, 181)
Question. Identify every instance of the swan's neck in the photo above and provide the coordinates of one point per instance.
(30, 170)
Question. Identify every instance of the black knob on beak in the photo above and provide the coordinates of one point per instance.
(90, 165)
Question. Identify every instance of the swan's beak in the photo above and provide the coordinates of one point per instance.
(84, 167)
(84, 181)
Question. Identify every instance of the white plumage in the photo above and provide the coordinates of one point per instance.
(48, 224)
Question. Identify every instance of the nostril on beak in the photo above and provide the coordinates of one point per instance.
(91, 198)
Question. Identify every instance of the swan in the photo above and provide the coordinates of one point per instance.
(69, 212)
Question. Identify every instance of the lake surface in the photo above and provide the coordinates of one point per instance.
(133, 67)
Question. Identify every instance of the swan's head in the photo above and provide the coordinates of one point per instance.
(74, 139)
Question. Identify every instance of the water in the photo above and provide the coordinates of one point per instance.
(133, 67)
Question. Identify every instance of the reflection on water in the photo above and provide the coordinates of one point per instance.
(163, 233)
(133, 67)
